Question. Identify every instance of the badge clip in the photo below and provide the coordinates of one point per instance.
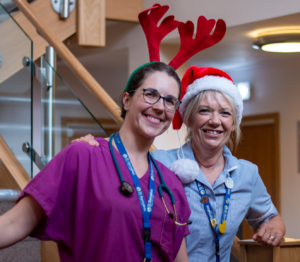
(222, 227)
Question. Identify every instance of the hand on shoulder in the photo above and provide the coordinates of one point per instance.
(87, 139)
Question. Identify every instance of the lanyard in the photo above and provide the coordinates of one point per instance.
(146, 208)
(211, 216)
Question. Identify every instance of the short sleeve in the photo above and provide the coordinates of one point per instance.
(162, 156)
(261, 208)
(53, 184)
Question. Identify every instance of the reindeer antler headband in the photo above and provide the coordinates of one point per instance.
(149, 19)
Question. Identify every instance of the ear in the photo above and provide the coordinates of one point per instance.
(126, 101)
(232, 128)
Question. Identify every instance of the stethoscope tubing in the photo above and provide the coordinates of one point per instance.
(162, 187)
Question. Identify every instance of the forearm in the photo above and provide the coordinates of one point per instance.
(8, 234)
(182, 253)
(20, 221)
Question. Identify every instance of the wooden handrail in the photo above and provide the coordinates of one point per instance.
(13, 174)
(235, 249)
(76, 67)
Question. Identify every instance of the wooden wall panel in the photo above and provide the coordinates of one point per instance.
(91, 22)
(15, 45)
(126, 10)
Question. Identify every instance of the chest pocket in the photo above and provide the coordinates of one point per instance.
(163, 229)
(167, 236)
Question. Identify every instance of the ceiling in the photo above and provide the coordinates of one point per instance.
(233, 52)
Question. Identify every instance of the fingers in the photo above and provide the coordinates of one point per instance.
(255, 237)
(274, 239)
(87, 139)
(93, 142)
(267, 235)
(277, 240)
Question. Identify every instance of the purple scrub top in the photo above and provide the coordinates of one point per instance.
(90, 220)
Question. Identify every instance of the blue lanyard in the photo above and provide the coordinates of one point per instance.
(211, 215)
(146, 208)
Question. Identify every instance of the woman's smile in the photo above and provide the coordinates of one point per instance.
(212, 132)
(152, 119)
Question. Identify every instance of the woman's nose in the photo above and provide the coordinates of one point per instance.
(215, 119)
(159, 105)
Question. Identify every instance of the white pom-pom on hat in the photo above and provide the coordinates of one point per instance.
(185, 169)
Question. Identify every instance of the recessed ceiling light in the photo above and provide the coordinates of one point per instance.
(283, 43)
(288, 47)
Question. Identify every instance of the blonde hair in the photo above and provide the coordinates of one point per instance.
(193, 106)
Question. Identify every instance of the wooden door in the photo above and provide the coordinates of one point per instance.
(260, 145)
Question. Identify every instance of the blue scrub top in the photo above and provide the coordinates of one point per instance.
(249, 199)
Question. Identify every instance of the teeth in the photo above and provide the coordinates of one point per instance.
(212, 132)
(153, 119)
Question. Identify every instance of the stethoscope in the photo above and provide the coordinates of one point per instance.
(126, 189)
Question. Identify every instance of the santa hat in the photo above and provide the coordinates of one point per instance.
(195, 80)
(198, 79)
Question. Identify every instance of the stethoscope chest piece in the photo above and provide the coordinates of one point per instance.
(126, 189)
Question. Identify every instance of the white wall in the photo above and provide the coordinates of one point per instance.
(232, 11)
(276, 88)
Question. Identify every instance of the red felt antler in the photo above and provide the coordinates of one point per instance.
(154, 34)
(203, 39)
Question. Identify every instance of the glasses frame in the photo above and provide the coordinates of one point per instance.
(160, 96)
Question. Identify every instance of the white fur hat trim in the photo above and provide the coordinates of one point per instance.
(186, 169)
(217, 83)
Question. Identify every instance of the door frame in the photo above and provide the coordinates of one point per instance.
(271, 118)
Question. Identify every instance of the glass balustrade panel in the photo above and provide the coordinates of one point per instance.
(15, 88)
(64, 116)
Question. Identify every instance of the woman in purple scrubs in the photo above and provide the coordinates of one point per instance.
(76, 199)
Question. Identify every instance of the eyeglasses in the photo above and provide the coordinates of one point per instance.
(151, 97)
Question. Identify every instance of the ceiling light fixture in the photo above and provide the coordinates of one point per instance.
(280, 43)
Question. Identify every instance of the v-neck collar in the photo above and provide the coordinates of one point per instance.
(231, 164)
(121, 161)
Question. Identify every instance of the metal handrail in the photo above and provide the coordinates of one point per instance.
(9, 195)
